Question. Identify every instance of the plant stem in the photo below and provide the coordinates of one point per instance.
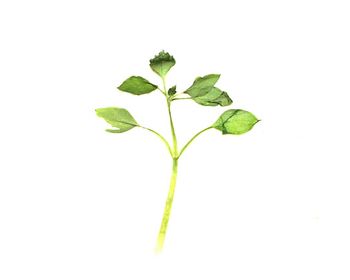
(170, 198)
(191, 140)
(161, 137)
(170, 119)
(167, 210)
(182, 98)
(172, 130)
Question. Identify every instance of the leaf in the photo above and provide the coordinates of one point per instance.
(162, 63)
(172, 90)
(118, 118)
(202, 85)
(235, 121)
(213, 98)
(137, 85)
(114, 131)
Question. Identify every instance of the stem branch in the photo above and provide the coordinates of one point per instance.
(182, 98)
(171, 120)
(191, 140)
(172, 131)
(161, 137)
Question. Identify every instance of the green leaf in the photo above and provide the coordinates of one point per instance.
(162, 63)
(213, 98)
(137, 85)
(235, 121)
(114, 131)
(118, 118)
(202, 85)
(172, 90)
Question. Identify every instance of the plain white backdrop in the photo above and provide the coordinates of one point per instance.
(79, 203)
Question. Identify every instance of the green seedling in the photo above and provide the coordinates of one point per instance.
(203, 91)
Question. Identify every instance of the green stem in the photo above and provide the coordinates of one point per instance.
(164, 93)
(182, 98)
(170, 198)
(191, 140)
(171, 120)
(161, 137)
(167, 210)
(172, 130)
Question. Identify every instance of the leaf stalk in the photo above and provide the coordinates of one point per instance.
(191, 140)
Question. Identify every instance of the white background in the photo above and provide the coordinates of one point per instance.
(79, 203)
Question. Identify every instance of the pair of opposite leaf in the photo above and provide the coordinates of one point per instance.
(203, 91)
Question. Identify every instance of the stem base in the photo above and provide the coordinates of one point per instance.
(167, 209)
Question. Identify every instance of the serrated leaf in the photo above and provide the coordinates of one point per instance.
(137, 85)
(214, 97)
(119, 118)
(235, 121)
(202, 85)
(162, 63)
(172, 90)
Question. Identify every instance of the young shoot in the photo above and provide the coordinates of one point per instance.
(203, 91)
